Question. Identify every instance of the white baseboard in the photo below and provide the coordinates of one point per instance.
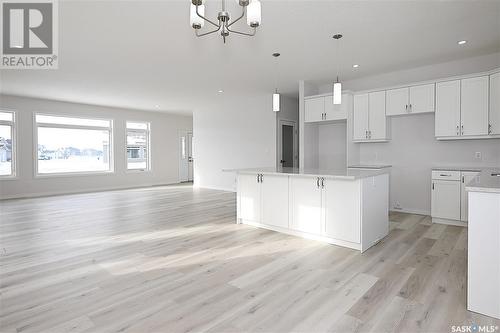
(87, 190)
(411, 211)
(449, 222)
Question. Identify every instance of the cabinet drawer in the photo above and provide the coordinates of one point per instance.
(446, 175)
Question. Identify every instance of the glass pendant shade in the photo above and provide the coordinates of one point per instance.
(196, 21)
(276, 102)
(254, 13)
(337, 93)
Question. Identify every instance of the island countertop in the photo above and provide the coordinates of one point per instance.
(348, 174)
(487, 181)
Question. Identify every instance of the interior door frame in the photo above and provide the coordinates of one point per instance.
(182, 133)
(292, 123)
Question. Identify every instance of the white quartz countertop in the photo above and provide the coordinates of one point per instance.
(349, 174)
(370, 166)
(486, 181)
(461, 168)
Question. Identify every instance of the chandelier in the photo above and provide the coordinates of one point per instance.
(251, 8)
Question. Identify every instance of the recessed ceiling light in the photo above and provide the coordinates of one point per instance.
(461, 42)
(355, 66)
(220, 91)
(157, 106)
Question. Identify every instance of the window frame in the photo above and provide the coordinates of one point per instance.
(148, 145)
(51, 125)
(13, 133)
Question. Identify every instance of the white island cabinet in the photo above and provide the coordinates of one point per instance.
(347, 208)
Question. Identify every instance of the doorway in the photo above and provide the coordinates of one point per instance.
(186, 159)
(287, 144)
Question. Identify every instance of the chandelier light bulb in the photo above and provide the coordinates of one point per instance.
(337, 93)
(276, 102)
(254, 11)
(196, 21)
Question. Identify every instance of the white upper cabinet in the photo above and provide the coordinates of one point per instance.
(421, 98)
(416, 99)
(360, 121)
(474, 106)
(397, 101)
(447, 122)
(377, 122)
(494, 115)
(335, 111)
(314, 109)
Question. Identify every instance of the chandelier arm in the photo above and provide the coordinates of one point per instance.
(243, 33)
(239, 18)
(204, 18)
(206, 33)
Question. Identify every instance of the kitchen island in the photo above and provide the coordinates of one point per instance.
(343, 207)
(483, 277)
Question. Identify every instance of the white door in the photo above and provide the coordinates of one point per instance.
(314, 109)
(183, 157)
(335, 111)
(397, 101)
(447, 118)
(445, 199)
(422, 98)
(467, 177)
(190, 156)
(376, 116)
(249, 190)
(275, 200)
(306, 205)
(495, 104)
(342, 210)
(474, 106)
(360, 117)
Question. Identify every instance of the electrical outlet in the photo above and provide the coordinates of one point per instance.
(397, 205)
(478, 155)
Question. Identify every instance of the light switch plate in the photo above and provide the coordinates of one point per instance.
(478, 155)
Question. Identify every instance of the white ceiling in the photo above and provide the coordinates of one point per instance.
(138, 54)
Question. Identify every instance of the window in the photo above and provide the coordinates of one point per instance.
(72, 145)
(7, 151)
(138, 157)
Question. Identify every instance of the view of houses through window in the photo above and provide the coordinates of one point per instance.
(7, 166)
(73, 144)
(138, 146)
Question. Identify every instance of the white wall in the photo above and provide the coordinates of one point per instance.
(236, 131)
(164, 149)
(332, 146)
(413, 151)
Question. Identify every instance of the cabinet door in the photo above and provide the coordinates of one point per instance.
(445, 199)
(495, 104)
(474, 106)
(250, 198)
(335, 111)
(467, 177)
(447, 119)
(342, 210)
(376, 116)
(422, 98)
(360, 117)
(314, 109)
(397, 101)
(306, 205)
(275, 200)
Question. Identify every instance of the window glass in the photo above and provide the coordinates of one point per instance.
(138, 146)
(7, 151)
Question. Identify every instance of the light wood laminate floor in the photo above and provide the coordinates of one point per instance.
(172, 259)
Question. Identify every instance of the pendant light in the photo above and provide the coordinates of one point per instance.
(276, 95)
(337, 86)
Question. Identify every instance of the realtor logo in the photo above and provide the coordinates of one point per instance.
(29, 34)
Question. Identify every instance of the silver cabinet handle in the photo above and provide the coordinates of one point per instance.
(410, 108)
(489, 129)
(322, 182)
(317, 182)
(261, 178)
(458, 130)
(406, 107)
(433, 186)
(462, 129)
(258, 178)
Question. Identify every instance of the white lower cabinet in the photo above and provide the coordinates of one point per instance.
(467, 177)
(275, 200)
(249, 198)
(306, 204)
(448, 195)
(263, 199)
(342, 213)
